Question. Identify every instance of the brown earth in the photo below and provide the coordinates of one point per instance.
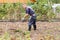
(44, 29)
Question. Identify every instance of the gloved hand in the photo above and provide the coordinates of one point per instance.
(23, 19)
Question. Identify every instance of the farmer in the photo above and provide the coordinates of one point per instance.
(32, 19)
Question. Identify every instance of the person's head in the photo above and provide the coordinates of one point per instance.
(24, 6)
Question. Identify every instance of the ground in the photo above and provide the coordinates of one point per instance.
(44, 29)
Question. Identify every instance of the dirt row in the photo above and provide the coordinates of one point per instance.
(43, 29)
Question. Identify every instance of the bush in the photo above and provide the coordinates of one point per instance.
(58, 9)
(11, 11)
(43, 10)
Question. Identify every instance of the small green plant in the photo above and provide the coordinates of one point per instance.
(27, 35)
(17, 36)
(58, 9)
(6, 36)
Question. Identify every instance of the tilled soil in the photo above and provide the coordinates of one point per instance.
(43, 29)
